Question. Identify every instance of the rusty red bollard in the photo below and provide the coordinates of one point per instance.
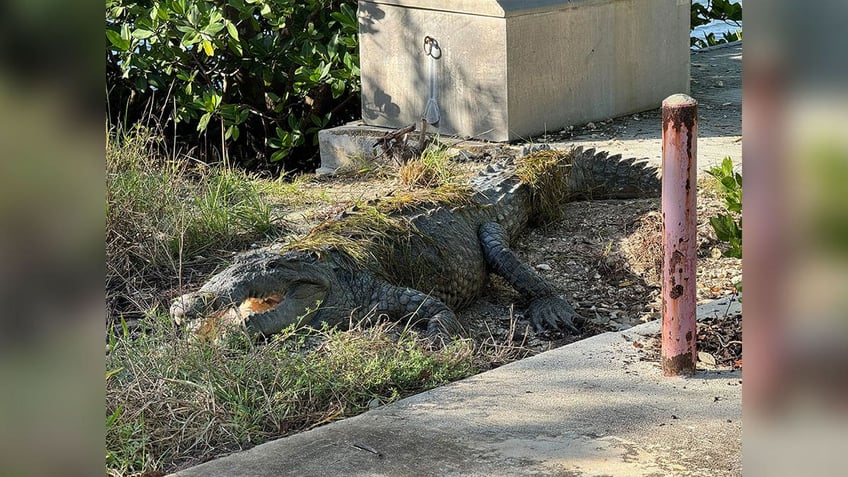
(679, 212)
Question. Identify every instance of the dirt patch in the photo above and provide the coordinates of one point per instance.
(605, 257)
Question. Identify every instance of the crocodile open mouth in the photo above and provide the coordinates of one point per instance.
(254, 305)
(231, 317)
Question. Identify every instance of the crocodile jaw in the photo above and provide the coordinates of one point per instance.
(264, 290)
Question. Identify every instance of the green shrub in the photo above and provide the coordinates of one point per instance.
(256, 79)
(722, 10)
(728, 227)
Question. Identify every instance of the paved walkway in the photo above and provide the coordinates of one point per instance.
(716, 85)
(593, 408)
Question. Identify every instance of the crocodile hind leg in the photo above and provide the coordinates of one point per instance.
(546, 309)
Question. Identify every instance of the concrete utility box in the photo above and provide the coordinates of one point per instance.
(510, 69)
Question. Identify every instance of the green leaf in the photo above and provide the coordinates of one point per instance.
(162, 13)
(204, 121)
(235, 47)
(110, 421)
(733, 252)
(294, 123)
(722, 226)
(232, 30)
(179, 6)
(213, 28)
(193, 15)
(242, 114)
(232, 132)
(116, 40)
(116, 12)
(142, 34)
(125, 31)
(113, 372)
(338, 88)
(190, 38)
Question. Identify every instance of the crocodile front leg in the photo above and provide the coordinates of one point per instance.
(401, 302)
(546, 310)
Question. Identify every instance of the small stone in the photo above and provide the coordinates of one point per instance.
(543, 266)
(375, 403)
(590, 126)
(719, 84)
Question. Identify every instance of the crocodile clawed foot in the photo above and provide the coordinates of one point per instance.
(552, 313)
(442, 328)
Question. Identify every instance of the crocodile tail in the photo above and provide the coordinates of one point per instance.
(598, 175)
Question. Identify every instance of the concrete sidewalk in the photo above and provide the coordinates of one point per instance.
(596, 407)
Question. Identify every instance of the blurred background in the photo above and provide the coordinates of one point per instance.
(795, 116)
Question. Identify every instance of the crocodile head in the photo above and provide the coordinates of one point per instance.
(265, 290)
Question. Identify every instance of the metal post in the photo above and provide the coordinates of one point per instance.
(679, 212)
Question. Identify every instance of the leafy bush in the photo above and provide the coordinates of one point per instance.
(722, 10)
(727, 228)
(255, 78)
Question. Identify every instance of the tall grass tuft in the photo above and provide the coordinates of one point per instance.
(432, 169)
(161, 212)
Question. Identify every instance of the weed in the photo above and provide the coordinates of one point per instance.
(433, 169)
(728, 227)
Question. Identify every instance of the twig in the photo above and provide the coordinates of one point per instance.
(366, 448)
(423, 136)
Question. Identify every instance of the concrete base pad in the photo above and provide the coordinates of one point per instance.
(342, 145)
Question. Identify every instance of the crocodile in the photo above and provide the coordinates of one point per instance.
(434, 259)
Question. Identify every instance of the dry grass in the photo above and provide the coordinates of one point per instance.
(172, 401)
(546, 172)
(433, 169)
(162, 212)
(644, 250)
(365, 233)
